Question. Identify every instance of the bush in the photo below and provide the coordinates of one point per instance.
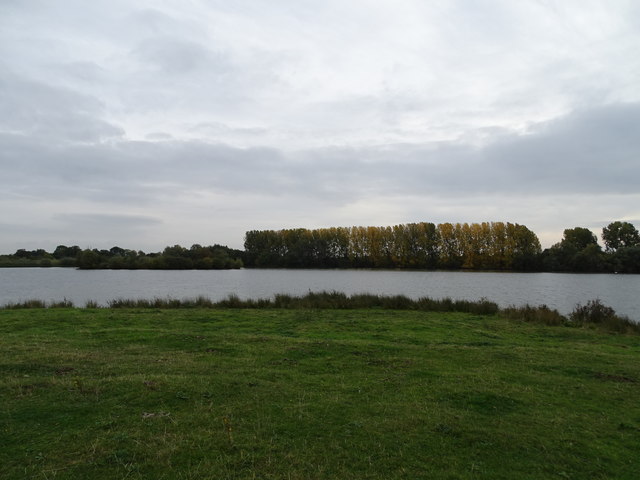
(593, 312)
(598, 314)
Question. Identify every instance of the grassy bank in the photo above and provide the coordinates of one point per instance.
(593, 314)
(277, 393)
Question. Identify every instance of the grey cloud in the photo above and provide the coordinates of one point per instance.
(158, 136)
(537, 163)
(135, 172)
(83, 71)
(169, 21)
(586, 152)
(103, 220)
(40, 110)
(219, 128)
(183, 77)
(16, 229)
(103, 230)
(592, 151)
(177, 56)
(156, 22)
(320, 91)
(41, 229)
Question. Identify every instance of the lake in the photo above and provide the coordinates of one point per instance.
(557, 290)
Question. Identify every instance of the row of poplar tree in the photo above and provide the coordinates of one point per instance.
(478, 246)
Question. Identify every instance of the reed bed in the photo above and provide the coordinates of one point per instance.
(594, 314)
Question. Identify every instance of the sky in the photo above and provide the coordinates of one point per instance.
(153, 123)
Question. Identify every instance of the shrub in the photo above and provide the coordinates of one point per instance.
(599, 314)
(593, 312)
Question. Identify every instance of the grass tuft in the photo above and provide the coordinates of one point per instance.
(32, 303)
(541, 314)
(63, 304)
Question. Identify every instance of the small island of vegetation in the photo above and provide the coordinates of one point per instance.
(171, 258)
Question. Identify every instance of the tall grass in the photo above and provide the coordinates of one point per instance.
(540, 314)
(31, 303)
(311, 300)
(593, 315)
(35, 303)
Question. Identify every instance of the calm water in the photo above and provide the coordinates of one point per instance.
(561, 291)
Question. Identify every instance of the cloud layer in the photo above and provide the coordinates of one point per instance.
(150, 125)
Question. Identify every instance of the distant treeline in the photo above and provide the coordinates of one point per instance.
(473, 246)
(478, 246)
(171, 258)
(579, 251)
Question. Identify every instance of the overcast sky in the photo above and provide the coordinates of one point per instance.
(149, 123)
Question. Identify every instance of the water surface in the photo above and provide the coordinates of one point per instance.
(557, 290)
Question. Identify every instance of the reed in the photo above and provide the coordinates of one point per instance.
(594, 314)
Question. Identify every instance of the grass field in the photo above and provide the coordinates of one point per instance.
(312, 394)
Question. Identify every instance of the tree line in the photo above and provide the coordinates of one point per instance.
(176, 257)
(579, 251)
(474, 246)
(478, 246)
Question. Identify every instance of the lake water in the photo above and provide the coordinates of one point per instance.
(560, 291)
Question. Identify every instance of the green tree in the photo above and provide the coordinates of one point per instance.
(626, 259)
(89, 259)
(589, 259)
(577, 252)
(579, 238)
(620, 235)
(62, 251)
(526, 248)
(113, 251)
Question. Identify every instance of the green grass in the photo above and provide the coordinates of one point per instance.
(592, 315)
(312, 394)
